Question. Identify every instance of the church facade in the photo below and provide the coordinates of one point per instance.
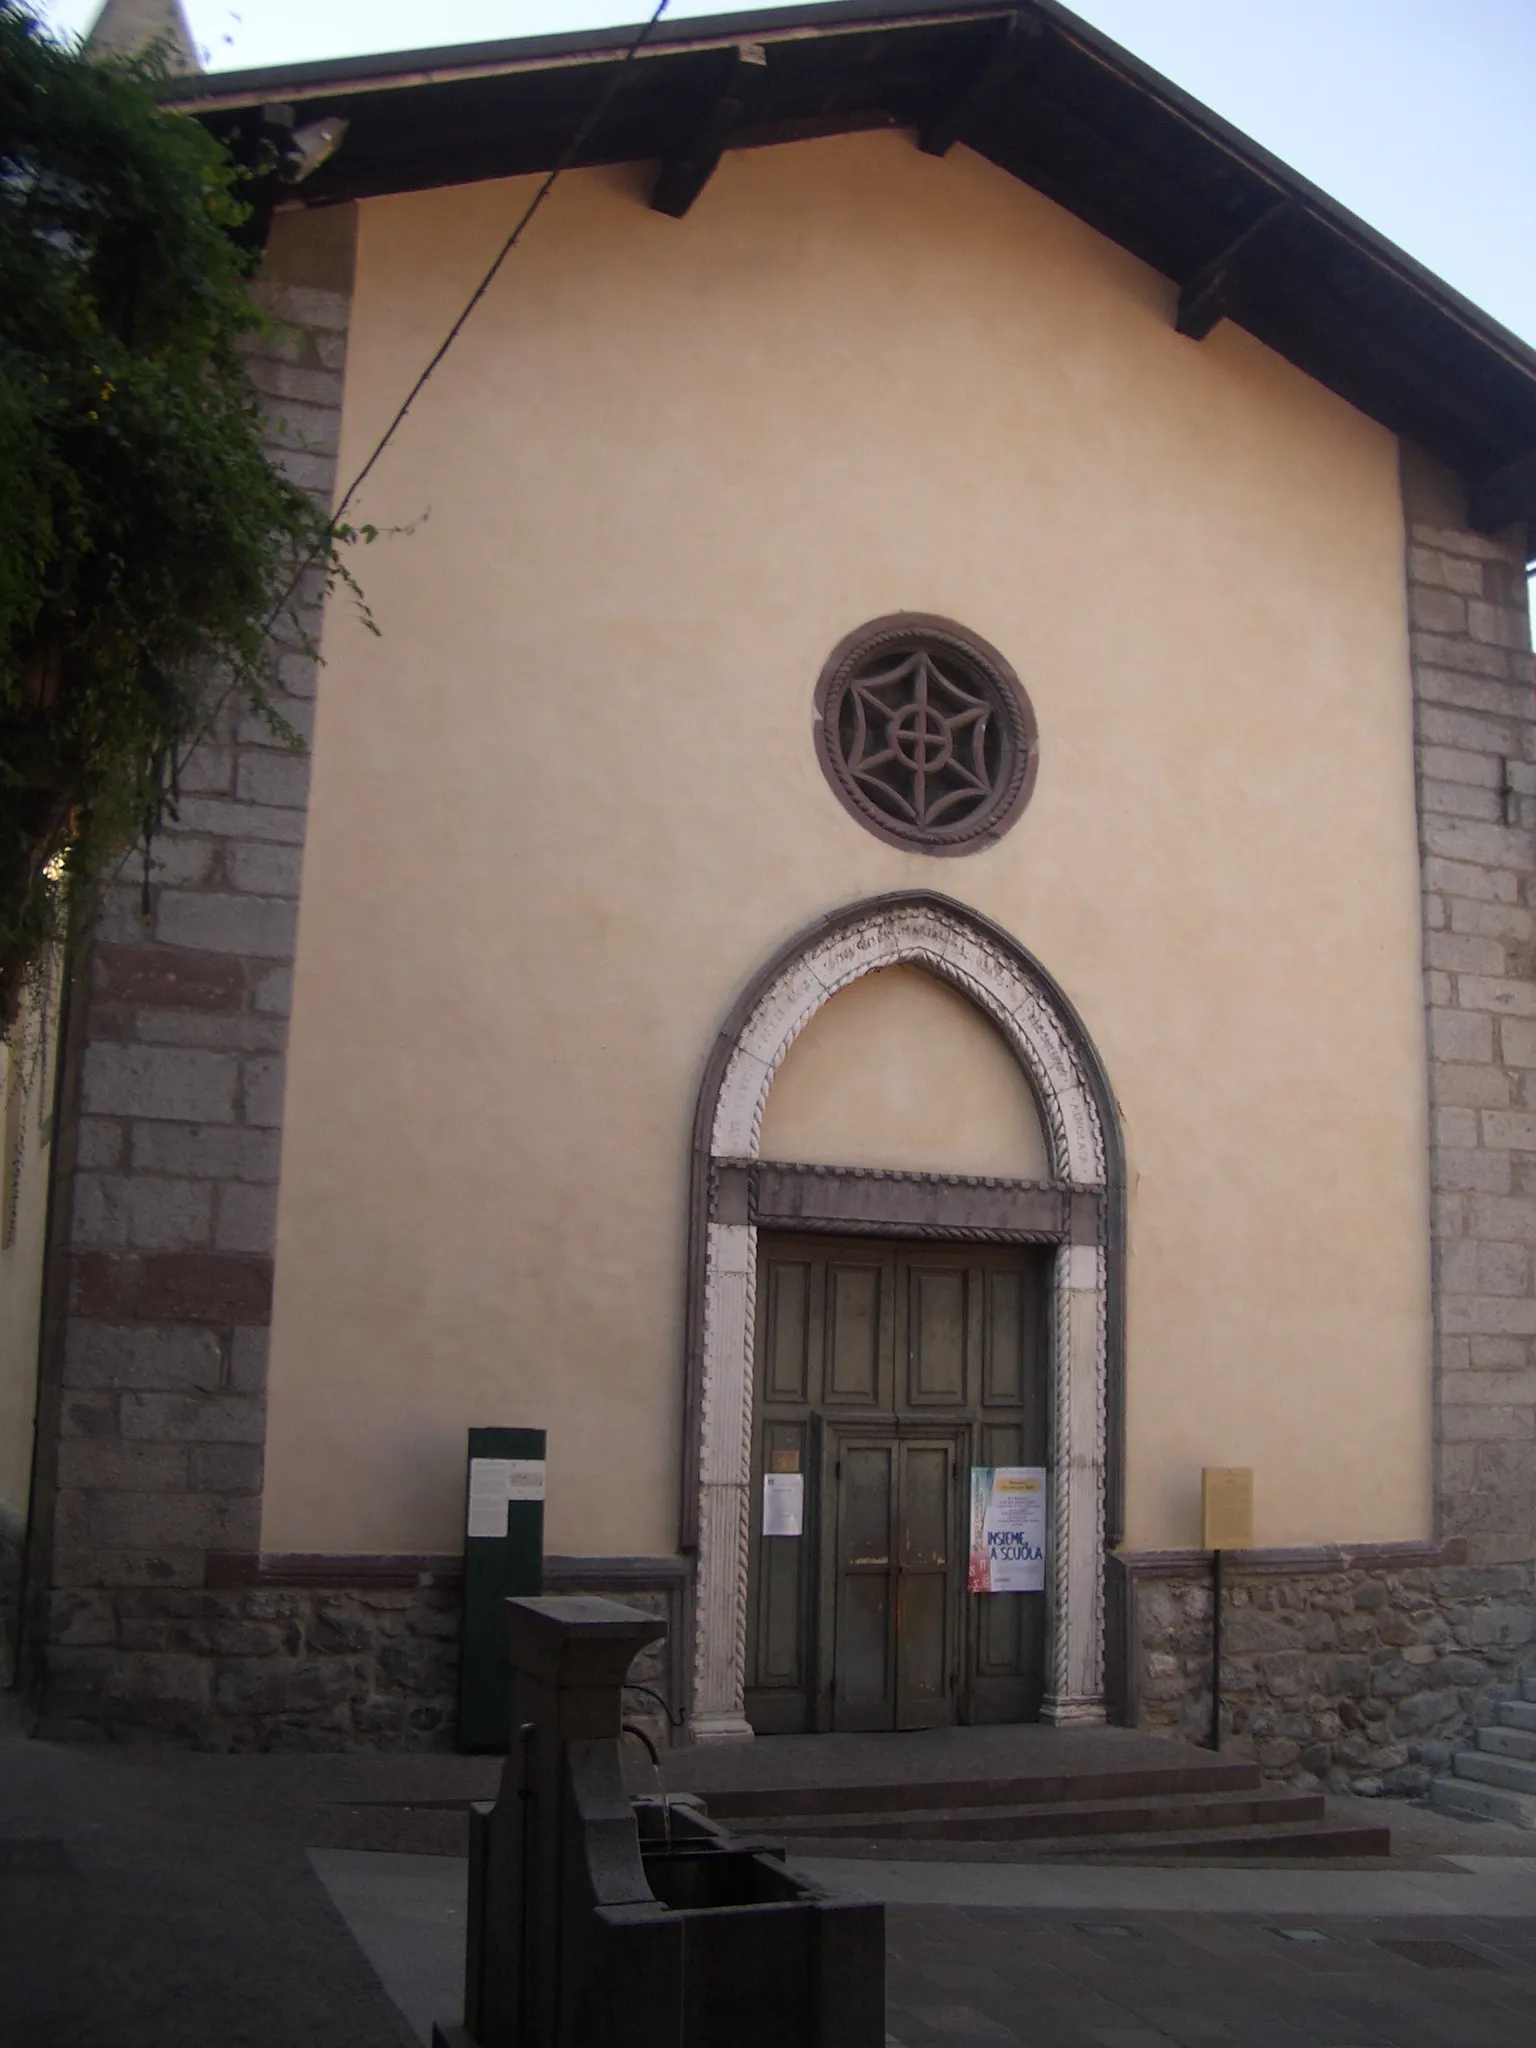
(929, 871)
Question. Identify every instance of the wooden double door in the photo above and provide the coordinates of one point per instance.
(883, 1372)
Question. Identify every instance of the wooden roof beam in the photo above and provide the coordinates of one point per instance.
(1002, 61)
(688, 169)
(1505, 496)
(1204, 302)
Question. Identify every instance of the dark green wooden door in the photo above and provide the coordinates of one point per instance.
(883, 1372)
(889, 1578)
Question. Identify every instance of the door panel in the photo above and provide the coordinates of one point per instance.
(927, 1506)
(856, 1318)
(937, 1334)
(864, 1507)
(780, 1646)
(1006, 1664)
(923, 1678)
(788, 1335)
(1003, 1357)
(779, 1654)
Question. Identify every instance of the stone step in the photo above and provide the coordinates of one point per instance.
(1196, 1772)
(1084, 1820)
(1482, 1802)
(1318, 1839)
(1301, 1838)
(1519, 1742)
(1518, 1713)
(1509, 1773)
(1528, 1686)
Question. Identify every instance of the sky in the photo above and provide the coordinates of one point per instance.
(1418, 115)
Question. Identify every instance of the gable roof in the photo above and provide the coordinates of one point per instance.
(1038, 92)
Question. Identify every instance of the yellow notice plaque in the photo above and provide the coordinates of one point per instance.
(1226, 1507)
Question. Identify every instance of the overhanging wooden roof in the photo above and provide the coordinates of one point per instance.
(1044, 96)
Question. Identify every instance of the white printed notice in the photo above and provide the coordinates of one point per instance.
(783, 1503)
(1007, 1529)
(495, 1481)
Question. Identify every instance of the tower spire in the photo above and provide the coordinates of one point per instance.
(124, 27)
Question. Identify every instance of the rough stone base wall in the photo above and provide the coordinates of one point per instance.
(275, 1667)
(1354, 1680)
(260, 1668)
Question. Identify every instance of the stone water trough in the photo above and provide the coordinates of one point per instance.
(601, 1921)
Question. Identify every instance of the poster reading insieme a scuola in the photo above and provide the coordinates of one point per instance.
(1007, 1529)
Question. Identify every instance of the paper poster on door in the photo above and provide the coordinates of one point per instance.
(1007, 1529)
(783, 1503)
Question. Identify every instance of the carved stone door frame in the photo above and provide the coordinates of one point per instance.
(1079, 1210)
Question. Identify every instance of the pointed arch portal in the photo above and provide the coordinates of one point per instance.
(1048, 1040)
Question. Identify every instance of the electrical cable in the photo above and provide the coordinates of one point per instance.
(566, 158)
(616, 77)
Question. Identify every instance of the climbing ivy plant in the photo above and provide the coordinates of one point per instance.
(147, 541)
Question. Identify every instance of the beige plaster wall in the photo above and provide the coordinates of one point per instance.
(901, 1071)
(568, 803)
(26, 1074)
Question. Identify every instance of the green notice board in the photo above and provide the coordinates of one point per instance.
(503, 1560)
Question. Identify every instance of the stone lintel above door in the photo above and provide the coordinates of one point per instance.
(877, 1202)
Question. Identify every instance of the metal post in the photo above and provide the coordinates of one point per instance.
(1216, 1649)
(503, 1560)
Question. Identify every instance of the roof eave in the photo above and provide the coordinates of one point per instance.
(1498, 457)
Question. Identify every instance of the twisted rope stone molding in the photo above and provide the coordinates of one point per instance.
(1045, 1037)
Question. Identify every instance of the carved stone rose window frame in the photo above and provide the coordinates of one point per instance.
(926, 734)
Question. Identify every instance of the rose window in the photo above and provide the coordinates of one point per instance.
(925, 734)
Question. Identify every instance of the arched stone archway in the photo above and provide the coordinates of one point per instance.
(1051, 1045)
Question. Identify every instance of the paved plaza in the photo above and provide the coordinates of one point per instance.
(154, 1900)
(144, 1905)
(1146, 1979)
